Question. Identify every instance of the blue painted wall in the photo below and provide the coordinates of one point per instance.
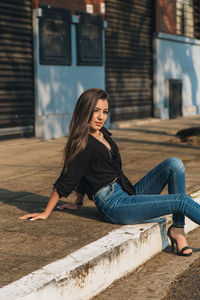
(57, 89)
(176, 58)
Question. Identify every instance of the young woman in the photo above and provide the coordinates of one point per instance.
(92, 165)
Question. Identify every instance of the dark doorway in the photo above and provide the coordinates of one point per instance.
(175, 98)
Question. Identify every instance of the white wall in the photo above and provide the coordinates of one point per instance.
(176, 57)
(58, 87)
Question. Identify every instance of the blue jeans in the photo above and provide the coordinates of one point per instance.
(116, 206)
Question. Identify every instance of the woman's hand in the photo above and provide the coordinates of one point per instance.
(44, 215)
(35, 216)
(73, 206)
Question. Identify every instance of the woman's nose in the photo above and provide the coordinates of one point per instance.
(100, 115)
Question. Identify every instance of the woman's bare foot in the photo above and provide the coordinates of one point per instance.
(69, 206)
(179, 235)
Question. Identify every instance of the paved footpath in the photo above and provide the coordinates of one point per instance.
(29, 167)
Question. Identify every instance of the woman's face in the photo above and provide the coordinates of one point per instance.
(99, 115)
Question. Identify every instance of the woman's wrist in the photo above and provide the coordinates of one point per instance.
(46, 213)
(79, 199)
(52, 202)
(78, 203)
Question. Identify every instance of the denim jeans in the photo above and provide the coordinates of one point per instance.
(116, 206)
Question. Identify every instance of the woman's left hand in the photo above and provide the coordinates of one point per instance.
(35, 216)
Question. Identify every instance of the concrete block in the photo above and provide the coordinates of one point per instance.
(91, 269)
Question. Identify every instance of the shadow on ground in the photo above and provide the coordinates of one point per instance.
(27, 246)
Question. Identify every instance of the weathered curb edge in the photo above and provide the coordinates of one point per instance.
(91, 269)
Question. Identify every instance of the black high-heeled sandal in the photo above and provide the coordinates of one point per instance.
(181, 252)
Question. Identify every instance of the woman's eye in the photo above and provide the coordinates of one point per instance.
(105, 112)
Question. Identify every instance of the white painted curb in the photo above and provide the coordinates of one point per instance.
(91, 269)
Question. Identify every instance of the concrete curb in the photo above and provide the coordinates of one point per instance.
(91, 269)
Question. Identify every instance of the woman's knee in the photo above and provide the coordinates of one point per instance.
(175, 163)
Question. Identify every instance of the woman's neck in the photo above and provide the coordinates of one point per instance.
(96, 133)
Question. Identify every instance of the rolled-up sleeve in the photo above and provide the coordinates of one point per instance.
(68, 181)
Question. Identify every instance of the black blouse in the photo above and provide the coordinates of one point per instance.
(93, 168)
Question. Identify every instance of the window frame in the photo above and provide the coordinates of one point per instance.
(82, 58)
(56, 16)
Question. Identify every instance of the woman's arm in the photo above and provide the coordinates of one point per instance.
(50, 206)
(64, 185)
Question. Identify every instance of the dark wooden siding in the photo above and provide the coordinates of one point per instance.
(129, 56)
(196, 4)
(16, 66)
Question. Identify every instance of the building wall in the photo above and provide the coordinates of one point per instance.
(129, 58)
(165, 16)
(176, 58)
(58, 87)
(75, 5)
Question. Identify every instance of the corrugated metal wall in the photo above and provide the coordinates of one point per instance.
(16, 67)
(129, 56)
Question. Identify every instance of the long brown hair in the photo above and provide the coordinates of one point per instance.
(79, 126)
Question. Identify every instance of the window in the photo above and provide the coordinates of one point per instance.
(89, 40)
(185, 18)
(55, 37)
